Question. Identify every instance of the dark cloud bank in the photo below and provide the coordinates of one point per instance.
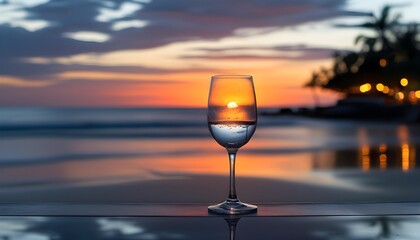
(168, 22)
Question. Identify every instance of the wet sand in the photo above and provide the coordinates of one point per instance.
(375, 186)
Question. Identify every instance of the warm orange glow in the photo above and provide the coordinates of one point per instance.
(417, 93)
(382, 161)
(405, 154)
(412, 157)
(385, 90)
(404, 82)
(380, 87)
(383, 63)
(400, 96)
(211, 162)
(169, 89)
(365, 158)
(232, 105)
(365, 163)
(231, 98)
(365, 150)
(365, 87)
(402, 132)
(233, 112)
(382, 148)
(412, 96)
(232, 90)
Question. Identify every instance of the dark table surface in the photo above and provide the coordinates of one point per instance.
(192, 221)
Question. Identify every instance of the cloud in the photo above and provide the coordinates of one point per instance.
(169, 21)
(14, 14)
(88, 36)
(73, 27)
(120, 25)
(107, 14)
(48, 70)
(284, 52)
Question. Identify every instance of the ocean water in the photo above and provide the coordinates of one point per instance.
(149, 155)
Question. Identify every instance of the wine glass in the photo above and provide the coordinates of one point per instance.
(232, 119)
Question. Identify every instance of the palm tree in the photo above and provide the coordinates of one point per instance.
(382, 25)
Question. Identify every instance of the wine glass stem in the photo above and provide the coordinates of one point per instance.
(232, 185)
(232, 231)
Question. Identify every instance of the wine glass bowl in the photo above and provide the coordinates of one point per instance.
(232, 119)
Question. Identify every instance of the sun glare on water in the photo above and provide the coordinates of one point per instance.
(232, 105)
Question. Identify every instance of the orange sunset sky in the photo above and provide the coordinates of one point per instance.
(163, 53)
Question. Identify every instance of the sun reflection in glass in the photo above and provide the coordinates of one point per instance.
(232, 105)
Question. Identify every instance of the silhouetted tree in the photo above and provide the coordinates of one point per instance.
(383, 26)
(312, 84)
(392, 54)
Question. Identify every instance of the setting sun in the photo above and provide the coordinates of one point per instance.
(232, 105)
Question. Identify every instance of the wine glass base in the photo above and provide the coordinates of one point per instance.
(233, 208)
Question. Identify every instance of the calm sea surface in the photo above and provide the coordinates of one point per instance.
(168, 155)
